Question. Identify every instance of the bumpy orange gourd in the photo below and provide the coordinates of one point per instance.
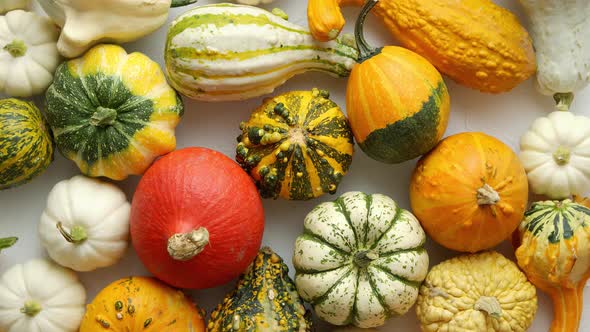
(470, 192)
(143, 304)
(475, 42)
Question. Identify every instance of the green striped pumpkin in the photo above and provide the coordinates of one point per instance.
(227, 52)
(112, 113)
(264, 300)
(26, 148)
(360, 260)
(297, 145)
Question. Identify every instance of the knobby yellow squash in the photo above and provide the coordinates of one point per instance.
(470, 192)
(397, 102)
(475, 42)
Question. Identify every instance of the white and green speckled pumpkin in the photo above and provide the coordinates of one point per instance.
(360, 260)
(225, 52)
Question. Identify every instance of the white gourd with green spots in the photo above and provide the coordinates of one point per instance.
(227, 52)
(360, 260)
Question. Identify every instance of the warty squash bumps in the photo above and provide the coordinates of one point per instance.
(224, 52)
(112, 113)
(85, 23)
(494, 54)
(85, 224)
(553, 249)
(561, 35)
(264, 300)
(480, 292)
(555, 153)
(297, 145)
(28, 53)
(470, 192)
(26, 146)
(141, 304)
(397, 102)
(360, 260)
(40, 296)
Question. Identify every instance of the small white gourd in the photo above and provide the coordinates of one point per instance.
(28, 53)
(8, 5)
(561, 34)
(85, 225)
(360, 260)
(555, 153)
(40, 296)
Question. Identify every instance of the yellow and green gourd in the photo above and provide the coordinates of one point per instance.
(297, 145)
(112, 113)
(26, 148)
(264, 300)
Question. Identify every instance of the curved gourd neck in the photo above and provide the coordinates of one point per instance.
(567, 308)
(365, 50)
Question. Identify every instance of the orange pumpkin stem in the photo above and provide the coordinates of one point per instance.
(567, 309)
(185, 246)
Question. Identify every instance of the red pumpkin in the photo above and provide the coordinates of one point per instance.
(196, 219)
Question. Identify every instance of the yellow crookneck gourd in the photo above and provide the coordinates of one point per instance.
(475, 42)
(553, 249)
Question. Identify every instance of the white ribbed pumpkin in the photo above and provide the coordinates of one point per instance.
(225, 52)
(555, 153)
(360, 260)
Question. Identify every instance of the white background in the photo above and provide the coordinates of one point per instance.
(215, 125)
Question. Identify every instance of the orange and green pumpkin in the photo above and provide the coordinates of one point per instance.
(397, 102)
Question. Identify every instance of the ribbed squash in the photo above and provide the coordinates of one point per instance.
(553, 249)
(26, 147)
(112, 113)
(264, 300)
(475, 42)
(297, 145)
(397, 102)
(470, 192)
(141, 304)
(224, 52)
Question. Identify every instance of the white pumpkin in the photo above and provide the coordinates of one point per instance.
(40, 296)
(89, 22)
(85, 225)
(360, 260)
(555, 153)
(28, 53)
(8, 5)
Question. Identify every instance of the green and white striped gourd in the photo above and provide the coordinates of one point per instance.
(227, 52)
(360, 260)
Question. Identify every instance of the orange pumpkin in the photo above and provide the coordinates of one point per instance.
(397, 103)
(470, 192)
(141, 304)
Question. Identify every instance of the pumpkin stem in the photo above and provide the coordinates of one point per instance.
(563, 101)
(103, 116)
(362, 259)
(7, 242)
(562, 155)
(185, 246)
(76, 235)
(365, 50)
(490, 305)
(17, 48)
(567, 309)
(180, 3)
(31, 308)
(486, 195)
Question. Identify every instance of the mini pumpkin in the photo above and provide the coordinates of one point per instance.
(553, 249)
(360, 260)
(555, 153)
(112, 113)
(141, 304)
(479, 292)
(297, 145)
(470, 192)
